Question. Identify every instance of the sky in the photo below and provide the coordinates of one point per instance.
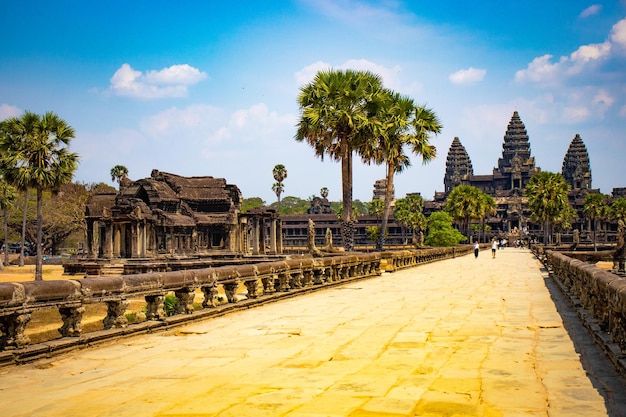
(209, 88)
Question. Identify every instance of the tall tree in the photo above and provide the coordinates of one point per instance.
(547, 199)
(324, 192)
(402, 125)
(618, 209)
(280, 174)
(464, 204)
(7, 197)
(36, 154)
(408, 214)
(486, 206)
(119, 173)
(595, 208)
(338, 110)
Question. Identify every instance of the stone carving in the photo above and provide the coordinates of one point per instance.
(72, 321)
(311, 240)
(619, 263)
(116, 317)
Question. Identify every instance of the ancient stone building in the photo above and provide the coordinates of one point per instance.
(508, 180)
(170, 215)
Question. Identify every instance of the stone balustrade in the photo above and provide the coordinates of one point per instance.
(18, 300)
(599, 292)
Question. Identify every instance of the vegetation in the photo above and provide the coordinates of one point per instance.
(465, 203)
(618, 209)
(119, 173)
(36, 155)
(441, 232)
(280, 173)
(595, 208)
(547, 199)
(401, 125)
(408, 214)
(249, 203)
(338, 113)
(7, 197)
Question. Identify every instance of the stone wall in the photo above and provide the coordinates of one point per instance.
(599, 292)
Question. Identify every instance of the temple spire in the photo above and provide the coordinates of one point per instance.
(576, 166)
(458, 166)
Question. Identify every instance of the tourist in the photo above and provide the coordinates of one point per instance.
(494, 247)
(476, 247)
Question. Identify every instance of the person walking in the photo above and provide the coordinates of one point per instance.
(476, 248)
(494, 247)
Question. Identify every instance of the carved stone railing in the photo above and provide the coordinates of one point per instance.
(599, 292)
(392, 261)
(263, 282)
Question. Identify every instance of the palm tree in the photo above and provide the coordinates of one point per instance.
(280, 173)
(464, 204)
(36, 155)
(618, 209)
(595, 209)
(324, 192)
(278, 189)
(338, 111)
(7, 197)
(547, 199)
(402, 124)
(118, 174)
(487, 206)
(408, 214)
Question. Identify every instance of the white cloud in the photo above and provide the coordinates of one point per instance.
(307, 74)
(467, 76)
(603, 100)
(191, 122)
(591, 10)
(543, 70)
(167, 82)
(7, 111)
(618, 33)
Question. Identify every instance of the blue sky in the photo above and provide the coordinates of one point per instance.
(210, 87)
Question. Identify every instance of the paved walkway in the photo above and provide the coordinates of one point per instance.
(462, 337)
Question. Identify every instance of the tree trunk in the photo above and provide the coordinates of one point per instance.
(39, 258)
(6, 237)
(24, 226)
(346, 184)
(387, 210)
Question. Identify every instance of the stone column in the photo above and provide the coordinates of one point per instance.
(273, 247)
(255, 236)
(117, 236)
(108, 241)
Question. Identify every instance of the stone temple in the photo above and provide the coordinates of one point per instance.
(507, 182)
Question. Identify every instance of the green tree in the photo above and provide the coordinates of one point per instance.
(441, 232)
(324, 192)
(7, 197)
(293, 205)
(618, 209)
(249, 203)
(338, 110)
(376, 208)
(486, 206)
(595, 209)
(280, 174)
(36, 154)
(408, 214)
(547, 199)
(119, 174)
(403, 125)
(464, 204)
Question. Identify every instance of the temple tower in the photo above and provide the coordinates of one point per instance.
(458, 166)
(516, 165)
(576, 167)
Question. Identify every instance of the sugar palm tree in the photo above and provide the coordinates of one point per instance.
(595, 208)
(7, 197)
(487, 206)
(324, 192)
(36, 155)
(408, 214)
(118, 174)
(280, 174)
(338, 110)
(402, 125)
(464, 204)
(547, 199)
(618, 209)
